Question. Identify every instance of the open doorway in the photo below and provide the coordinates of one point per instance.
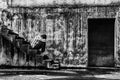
(101, 42)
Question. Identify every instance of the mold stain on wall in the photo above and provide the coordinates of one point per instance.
(66, 29)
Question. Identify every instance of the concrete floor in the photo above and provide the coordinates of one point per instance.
(75, 74)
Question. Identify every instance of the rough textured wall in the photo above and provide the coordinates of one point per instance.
(66, 38)
(66, 30)
(60, 2)
(117, 46)
(3, 4)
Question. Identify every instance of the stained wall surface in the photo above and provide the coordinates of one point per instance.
(34, 3)
(66, 30)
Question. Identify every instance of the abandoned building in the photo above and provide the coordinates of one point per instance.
(82, 33)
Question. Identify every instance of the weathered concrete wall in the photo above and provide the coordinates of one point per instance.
(3, 4)
(65, 34)
(66, 29)
(117, 46)
(31, 3)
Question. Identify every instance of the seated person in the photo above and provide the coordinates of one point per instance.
(39, 42)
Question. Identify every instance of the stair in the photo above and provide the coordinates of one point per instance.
(26, 56)
(21, 52)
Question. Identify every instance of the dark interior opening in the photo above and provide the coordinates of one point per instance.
(101, 42)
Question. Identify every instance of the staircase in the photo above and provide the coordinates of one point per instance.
(17, 50)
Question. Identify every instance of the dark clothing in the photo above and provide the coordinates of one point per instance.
(40, 45)
(45, 57)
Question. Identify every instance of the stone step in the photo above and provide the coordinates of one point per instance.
(11, 37)
(32, 51)
(12, 33)
(19, 42)
(32, 55)
(26, 42)
(18, 37)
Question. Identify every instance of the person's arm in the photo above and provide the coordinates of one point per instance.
(43, 46)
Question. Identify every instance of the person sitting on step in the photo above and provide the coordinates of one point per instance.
(39, 42)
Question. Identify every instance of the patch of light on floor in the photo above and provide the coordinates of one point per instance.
(108, 76)
(40, 77)
(66, 71)
(79, 69)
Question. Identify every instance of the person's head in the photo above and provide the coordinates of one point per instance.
(44, 36)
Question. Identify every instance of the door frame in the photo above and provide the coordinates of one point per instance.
(115, 42)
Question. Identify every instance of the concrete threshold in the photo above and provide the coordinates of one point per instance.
(107, 68)
(93, 68)
(62, 68)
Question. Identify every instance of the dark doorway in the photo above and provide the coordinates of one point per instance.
(101, 42)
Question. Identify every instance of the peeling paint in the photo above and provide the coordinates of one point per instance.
(54, 2)
(66, 31)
